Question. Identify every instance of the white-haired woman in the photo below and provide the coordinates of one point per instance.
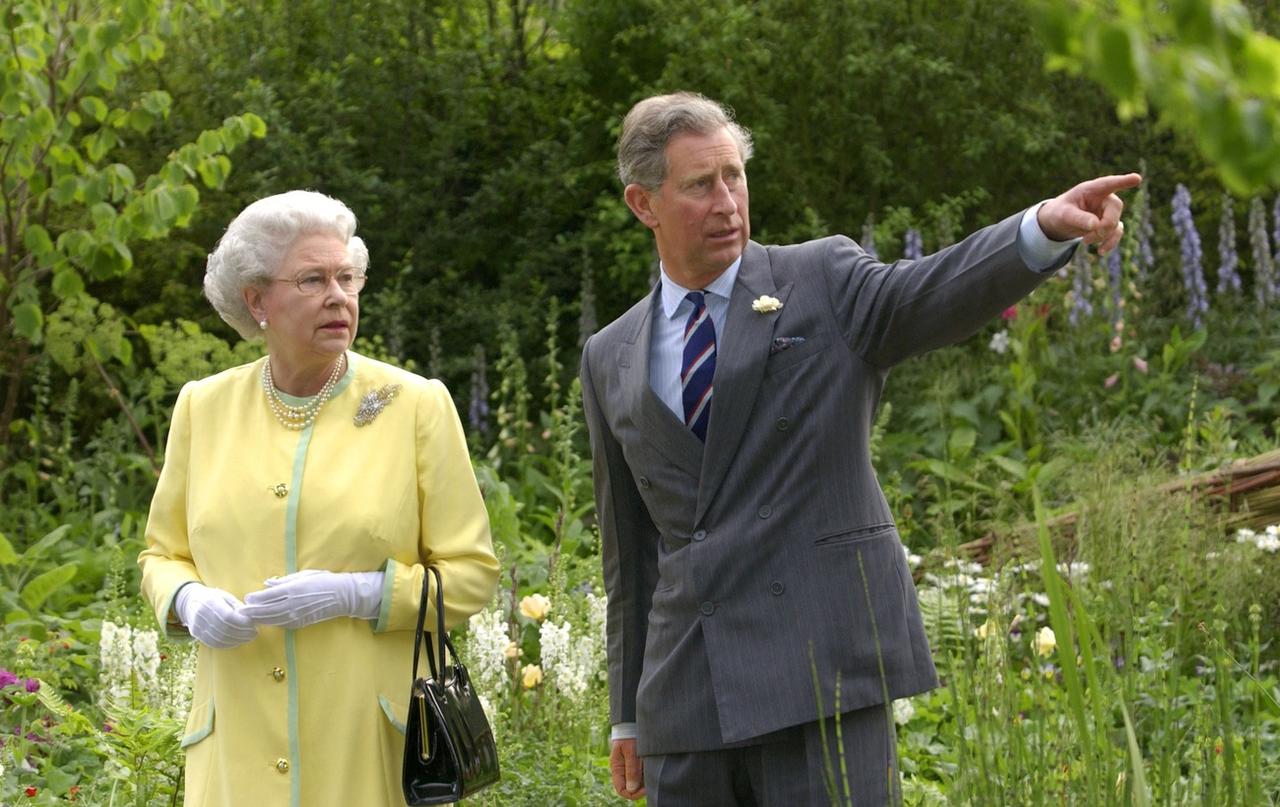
(302, 497)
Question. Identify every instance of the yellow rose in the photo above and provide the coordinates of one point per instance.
(536, 607)
(984, 630)
(531, 676)
(1045, 642)
(512, 652)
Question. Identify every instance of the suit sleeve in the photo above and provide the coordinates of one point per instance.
(453, 525)
(628, 552)
(890, 312)
(166, 561)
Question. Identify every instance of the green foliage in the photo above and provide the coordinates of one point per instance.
(1199, 62)
(71, 212)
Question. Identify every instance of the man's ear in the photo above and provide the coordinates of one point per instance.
(640, 200)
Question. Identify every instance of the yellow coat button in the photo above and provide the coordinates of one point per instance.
(277, 673)
(282, 765)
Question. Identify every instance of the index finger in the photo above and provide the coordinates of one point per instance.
(1101, 186)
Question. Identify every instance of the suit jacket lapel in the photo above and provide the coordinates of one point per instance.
(661, 427)
(741, 353)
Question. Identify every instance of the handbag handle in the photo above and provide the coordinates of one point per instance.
(442, 638)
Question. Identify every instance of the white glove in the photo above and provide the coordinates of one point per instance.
(213, 616)
(310, 596)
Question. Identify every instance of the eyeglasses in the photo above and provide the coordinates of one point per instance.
(315, 282)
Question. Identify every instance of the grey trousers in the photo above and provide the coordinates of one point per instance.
(791, 768)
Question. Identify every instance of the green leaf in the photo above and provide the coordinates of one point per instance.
(94, 107)
(51, 538)
(28, 320)
(1116, 65)
(67, 283)
(36, 240)
(1010, 466)
(214, 170)
(40, 587)
(257, 126)
(209, 142)
(961, 442)
(7, 556)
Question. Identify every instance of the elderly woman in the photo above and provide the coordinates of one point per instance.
(302, 498)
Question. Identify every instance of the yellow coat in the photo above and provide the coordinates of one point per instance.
(315, 716)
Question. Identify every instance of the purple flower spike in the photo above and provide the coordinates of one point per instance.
(913, 246)
(1264, 286)
(1229, 259)
(1192, 257)
(32, 685)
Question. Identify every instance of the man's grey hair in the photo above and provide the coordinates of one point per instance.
(652, 123)
(254, 245)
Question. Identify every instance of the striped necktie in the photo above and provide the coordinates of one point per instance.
(699, 366)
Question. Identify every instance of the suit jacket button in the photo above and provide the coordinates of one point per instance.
(782, 424)
(765, 511)
(644, 482)
(777, 588)
(700, 535)
(707, 608)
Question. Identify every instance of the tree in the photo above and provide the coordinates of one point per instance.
(1200, 63)
(70, 213)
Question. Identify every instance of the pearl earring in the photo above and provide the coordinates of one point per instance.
(262, 323)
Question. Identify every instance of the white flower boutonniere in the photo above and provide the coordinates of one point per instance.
(372, 404)
(765, 304)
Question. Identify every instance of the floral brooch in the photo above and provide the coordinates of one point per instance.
(372, 404)
(765, 304)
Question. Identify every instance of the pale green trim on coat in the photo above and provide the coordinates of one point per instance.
(396, 723)
(388, 589)
(291, 566)
(175, 631)
(295, 756)
(202, 732)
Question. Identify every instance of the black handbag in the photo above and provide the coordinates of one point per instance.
(449, 751)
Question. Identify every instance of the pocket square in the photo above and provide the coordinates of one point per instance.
(782, 343)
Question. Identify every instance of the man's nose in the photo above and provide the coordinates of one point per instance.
(723, 199)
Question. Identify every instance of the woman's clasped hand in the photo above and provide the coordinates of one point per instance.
(216, 618)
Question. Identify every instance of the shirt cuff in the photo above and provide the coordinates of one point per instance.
(623, 731)
(1036, 249)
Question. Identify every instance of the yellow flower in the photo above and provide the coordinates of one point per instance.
(1045, 642)
(536, 607)
(512, 652)
(984, 630)
(531, 676)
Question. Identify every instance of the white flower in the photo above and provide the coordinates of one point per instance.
(1000, 342)
(1269, 543)
(1, 771)
(146, 664)
(489, 640)
(765, 304)
(1041, 600)
(115, 657)
(903, 711)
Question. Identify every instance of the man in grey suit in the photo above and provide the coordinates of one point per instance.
(758, 590)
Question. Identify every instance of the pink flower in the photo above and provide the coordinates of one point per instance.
(32, 685)
(1009, 313)
(1139, 364)
(7, 678)
(1111, 381)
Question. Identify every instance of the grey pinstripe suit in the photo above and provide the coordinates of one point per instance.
(738, 571)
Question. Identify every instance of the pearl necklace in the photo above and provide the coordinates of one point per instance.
(299, 417)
